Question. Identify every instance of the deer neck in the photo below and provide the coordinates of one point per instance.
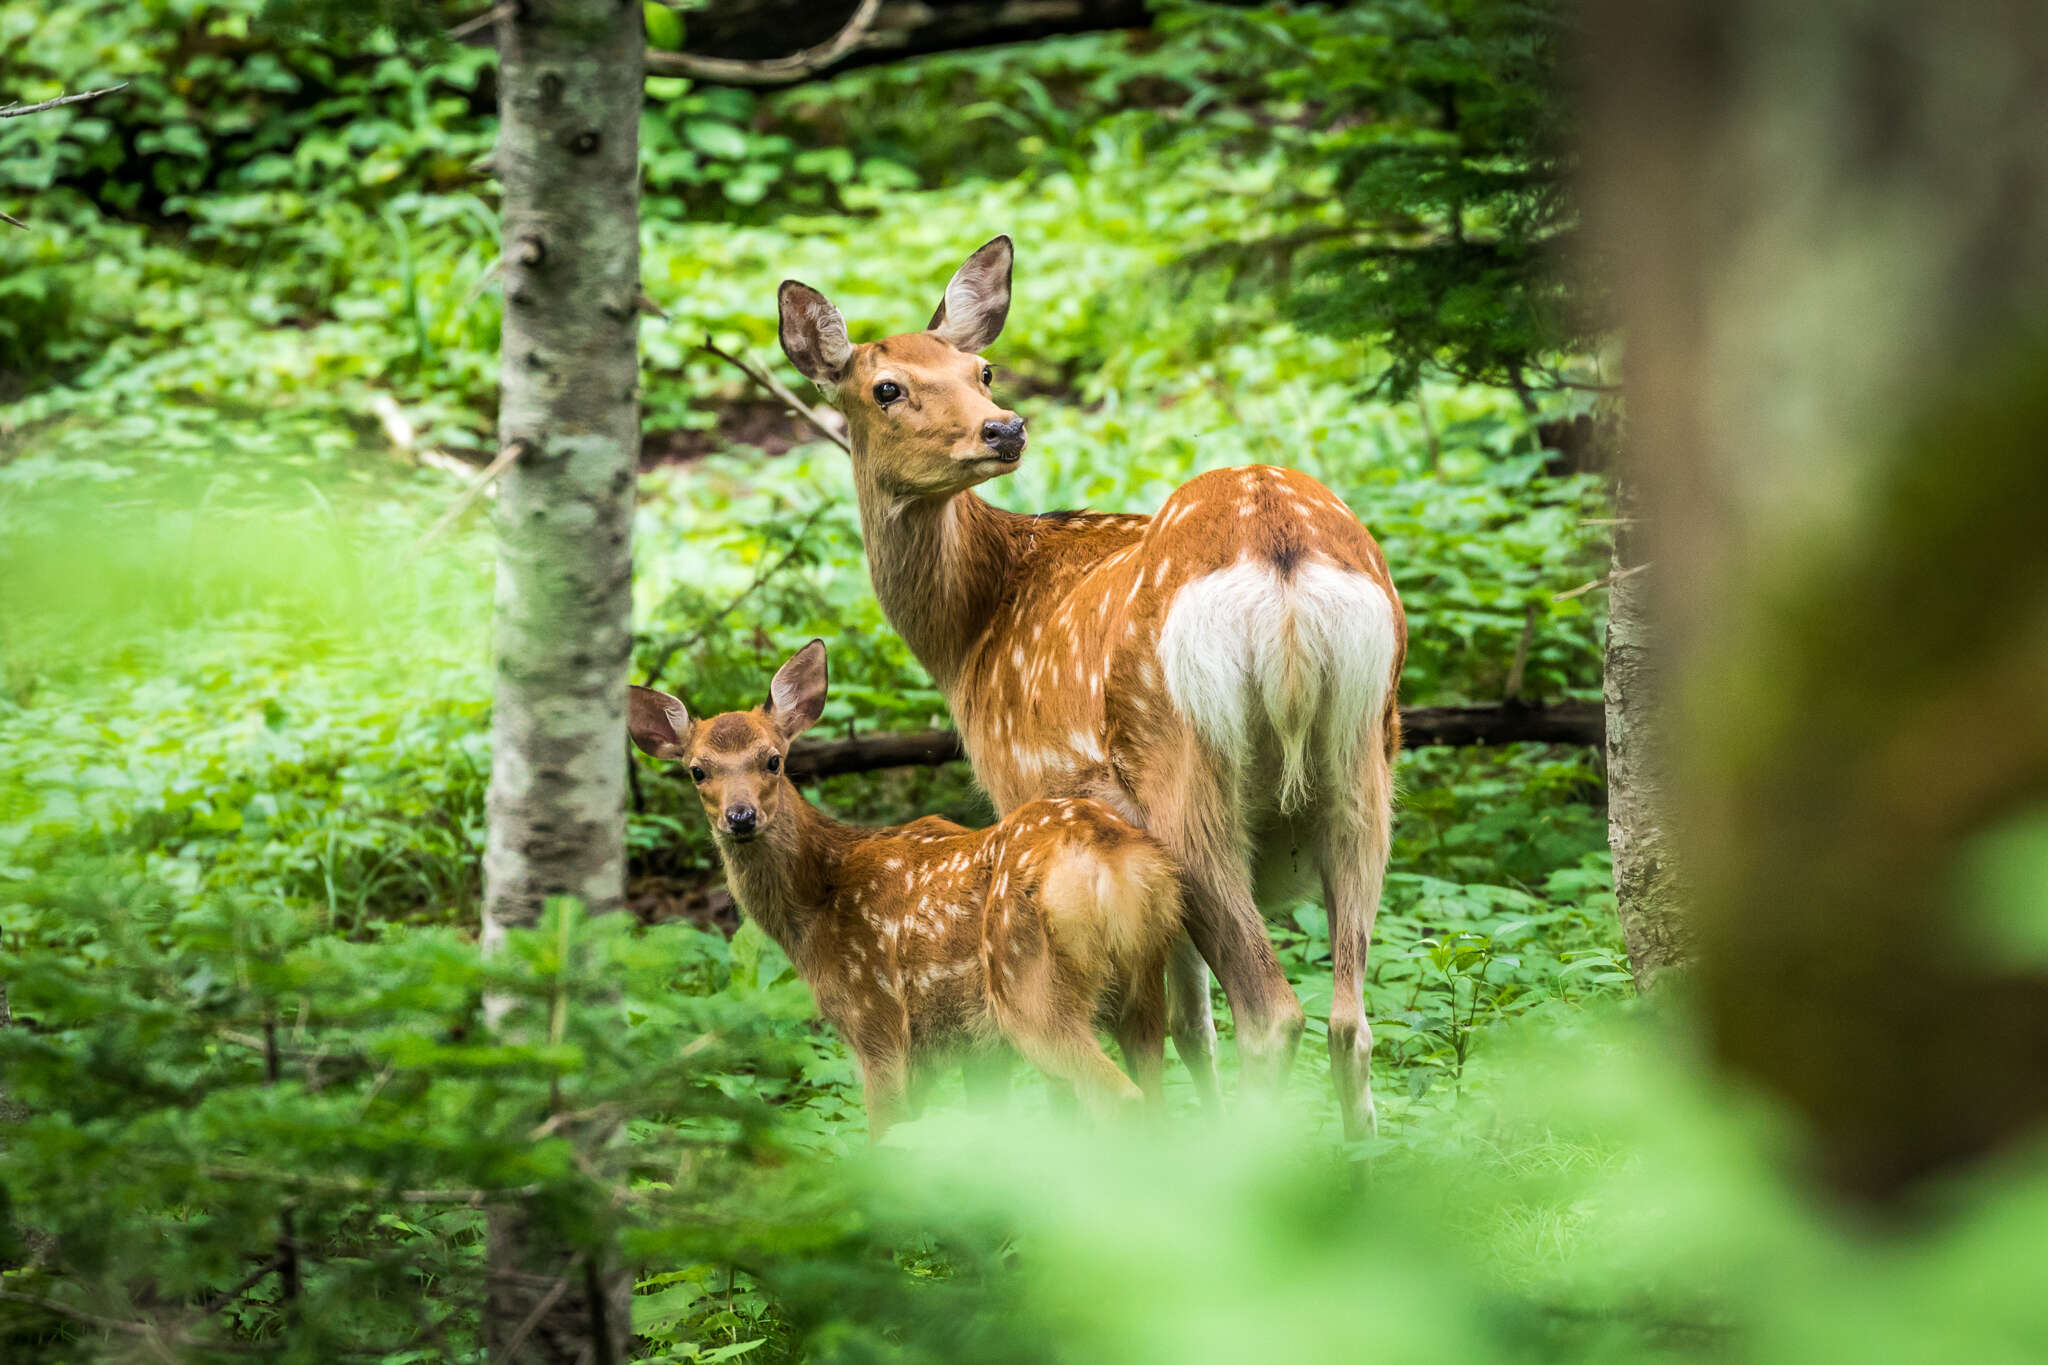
(939, 566)
(782, 878)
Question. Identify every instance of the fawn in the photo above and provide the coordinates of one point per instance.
(1222, 674)
(929, 939)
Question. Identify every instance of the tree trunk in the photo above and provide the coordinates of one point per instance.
(568, 155)
(1829, 223)
(1647, 898)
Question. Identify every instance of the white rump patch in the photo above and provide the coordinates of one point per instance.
(1248, 652)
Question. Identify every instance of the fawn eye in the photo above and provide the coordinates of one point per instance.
(696, 773)
(988, 376)
(887, 393)
(775, 763)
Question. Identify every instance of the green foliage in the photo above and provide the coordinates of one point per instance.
(1437, 218)
(243, 743)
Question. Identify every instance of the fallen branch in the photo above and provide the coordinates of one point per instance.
(774, 70)
(797, 407)
(157, 1335)
(1570, 722)
(340, 1185)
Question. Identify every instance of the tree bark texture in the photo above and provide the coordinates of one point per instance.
(569, 83)
(567, 153)
(1647, 896)
(1828, 226)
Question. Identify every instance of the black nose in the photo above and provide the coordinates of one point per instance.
(1004, 435)
(741, 819)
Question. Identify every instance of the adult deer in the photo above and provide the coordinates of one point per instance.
(1222, 673)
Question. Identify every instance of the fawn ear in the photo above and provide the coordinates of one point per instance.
(977, 300)
(813, 334)
(797, 696)
(658, 723)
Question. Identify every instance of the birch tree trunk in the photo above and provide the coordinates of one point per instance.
(569, 86)
(1647, 896)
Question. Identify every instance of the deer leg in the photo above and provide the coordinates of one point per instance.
(1353, 854)
(1053, 1025)
(1225, 924)
(1071, 1054)
(884, 1083)
(1191, 1018)
(1141, 1030)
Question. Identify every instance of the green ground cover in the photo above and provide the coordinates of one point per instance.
(243, 751)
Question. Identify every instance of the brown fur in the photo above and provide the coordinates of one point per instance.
(926, 940)
(1043, 632)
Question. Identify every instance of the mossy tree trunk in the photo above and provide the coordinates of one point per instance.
(568, 157)
(1829, 227)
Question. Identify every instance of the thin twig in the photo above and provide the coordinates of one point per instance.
(226, 1297)
(483, 282)
(470, 494)
(774, 70)
(337, 1185)
(540, 1310)
(760, 374)
(481, 21)
(1607, 582)
(761, 576)
(1513, 690)
(18, 110)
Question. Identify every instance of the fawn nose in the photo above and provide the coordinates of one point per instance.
(741, 820)
(1004, 435)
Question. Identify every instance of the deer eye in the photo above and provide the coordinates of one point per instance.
(696, 773)
(988, 376)
(775, 763)
(887, 393)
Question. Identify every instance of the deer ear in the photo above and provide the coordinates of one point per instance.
(977, 300)
(797, 696)
(657, 722)
(813, 334)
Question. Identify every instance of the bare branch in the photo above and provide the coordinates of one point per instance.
(475, 1198)
(1513, 690)
(19, 110)
(766, 572)
(150, 1331)
(540, 1309)
(482, 21)
(470, 494)
(762, 375)
(1598, 583)
(775, 70)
